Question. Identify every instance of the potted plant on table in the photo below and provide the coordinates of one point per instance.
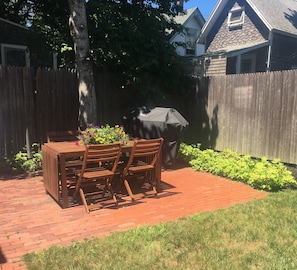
(102, 135)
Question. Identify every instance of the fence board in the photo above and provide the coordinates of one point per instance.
(256, 114)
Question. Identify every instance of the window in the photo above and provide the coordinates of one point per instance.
(248, 63)
(191, 41)
(236, 17)
(14, 55)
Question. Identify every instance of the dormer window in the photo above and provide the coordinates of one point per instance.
(236, 17)
(191, 37)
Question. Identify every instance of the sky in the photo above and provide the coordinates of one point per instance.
(205, 6)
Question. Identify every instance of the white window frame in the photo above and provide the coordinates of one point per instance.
(236, 22)
(13, 46)
(191, 36)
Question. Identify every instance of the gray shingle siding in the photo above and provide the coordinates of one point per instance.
(248, 33)
(12, 34)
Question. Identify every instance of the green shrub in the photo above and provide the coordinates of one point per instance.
(258, 173)
(29, 164)
(6, 165)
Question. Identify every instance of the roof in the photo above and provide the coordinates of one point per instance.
(13, 23)
(280, 15)
(185, 16)
(182, 18)
(277, 15)
(234, 50)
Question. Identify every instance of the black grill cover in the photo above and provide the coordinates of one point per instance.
(167, 123)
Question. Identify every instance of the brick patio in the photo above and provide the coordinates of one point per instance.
(31, 220)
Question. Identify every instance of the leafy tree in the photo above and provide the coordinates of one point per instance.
(51, 22)
(18, 11)
(126, 37)
(129, 39)
(48, 21)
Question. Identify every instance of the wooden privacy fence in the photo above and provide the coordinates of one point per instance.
(34, 102)
(254, 114)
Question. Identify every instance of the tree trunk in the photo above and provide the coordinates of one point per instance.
(79, 32)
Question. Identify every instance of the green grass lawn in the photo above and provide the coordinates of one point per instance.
(261, 234)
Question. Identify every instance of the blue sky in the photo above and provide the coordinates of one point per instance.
(205, 6)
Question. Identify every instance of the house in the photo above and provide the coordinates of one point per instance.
(185, 41)
(13, 44)
(245, 36)
(16, 49)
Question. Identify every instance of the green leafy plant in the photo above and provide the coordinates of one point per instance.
(6, 165)
(258, 173)
(102, 135)
(29, 163)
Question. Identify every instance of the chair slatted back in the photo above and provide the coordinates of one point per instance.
(101, 154)
(99, 164)
(146, 150)
(142, 161)
(61, 136)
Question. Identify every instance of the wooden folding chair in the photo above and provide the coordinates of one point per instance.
(61, 136)
(72, 165)
(141, 164)
(99, 165)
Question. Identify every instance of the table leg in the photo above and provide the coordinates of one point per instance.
(64, 190)
(158, 170)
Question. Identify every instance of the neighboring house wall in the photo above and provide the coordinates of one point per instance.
(15, 49)
(12, 33)
(250, 36)
(284, 53)
(225, 39)
(13, 44)
(216, 65)
(259, 56)
(193, 30)
(193, 22)
(247, 34)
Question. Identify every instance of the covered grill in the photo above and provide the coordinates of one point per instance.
(167, 123)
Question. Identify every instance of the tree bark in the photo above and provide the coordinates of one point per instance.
(86, 88)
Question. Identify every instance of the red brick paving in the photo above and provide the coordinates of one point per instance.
(31, 220)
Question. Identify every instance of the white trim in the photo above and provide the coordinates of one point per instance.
(236, 22)
(18, 47)
(211, 20)
(190, 38)
(268, 25)
(268, 63)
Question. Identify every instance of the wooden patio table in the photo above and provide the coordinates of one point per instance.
(54, 157)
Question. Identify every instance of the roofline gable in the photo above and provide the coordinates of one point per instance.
(217, 12)
(13, 23)
(211, 20)
(198, 16)
(195, 14)
(268, 25)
